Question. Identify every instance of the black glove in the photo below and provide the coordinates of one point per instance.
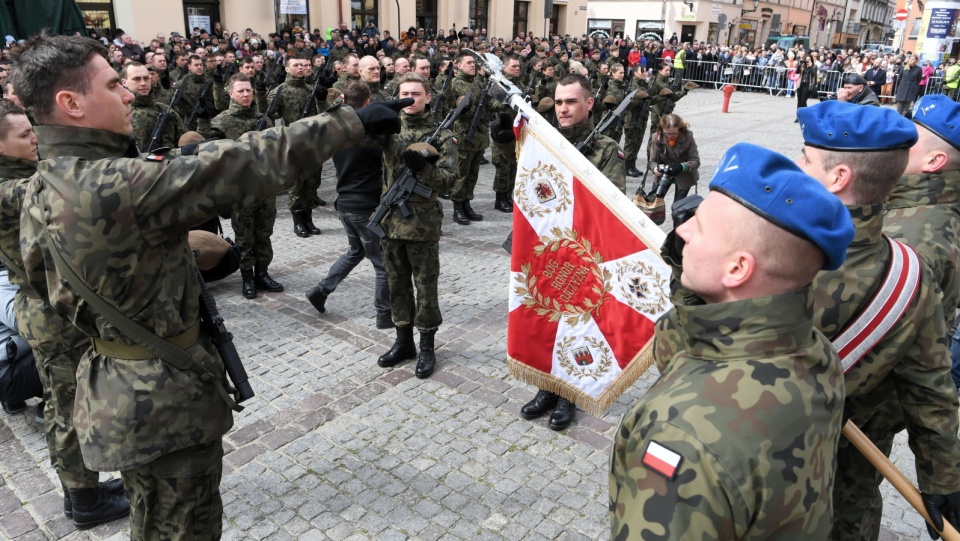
(414, 160)
(327, 81)
(940, 506)
(381, 118)
(260, 84)
(674, 169)
(681, 211)
(218, 75)
(501, 128)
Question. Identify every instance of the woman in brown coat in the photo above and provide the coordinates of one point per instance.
(673, 151)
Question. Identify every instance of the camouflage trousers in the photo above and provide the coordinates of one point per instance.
(413, 265)
(857, 502)
(253, 227)
(177, 496)
(504, 158)
(57, 347)
(467, 177)
(303, 193)
(634, 140)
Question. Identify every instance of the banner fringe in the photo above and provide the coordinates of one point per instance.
(593, 406)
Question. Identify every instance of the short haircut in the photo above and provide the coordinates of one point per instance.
(356, 94)
(414, 77)
(8, 108)
(461, 54)
(874, 173)
(236, 78)
(348, 56)
(194, 57)
(246, 60)
(50, 64)
(576, 79)
(125, 72)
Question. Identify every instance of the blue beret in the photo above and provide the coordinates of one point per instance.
(772, 186)
(837, 125)
(941, 115)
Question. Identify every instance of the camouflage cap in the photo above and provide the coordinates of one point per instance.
(772, 186)
(846, 127)
(941, 115)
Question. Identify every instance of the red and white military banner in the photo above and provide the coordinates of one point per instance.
(587, 281)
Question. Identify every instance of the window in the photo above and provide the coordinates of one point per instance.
(520, 10)
(427, 16)
(916, 28)
(650, 30)
(98, 16)
(478, 14)
(363, 12)
(292, 14)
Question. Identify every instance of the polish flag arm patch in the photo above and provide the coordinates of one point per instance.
(620, 154)
(662, 460)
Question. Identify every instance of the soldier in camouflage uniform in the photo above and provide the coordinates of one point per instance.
(120, 225)
(924, 208)
(469, 149)
(573, 103)
(411, 248)
(160, 95)
(504, 155)
(635, 123)
(691, 460)
(369, 70)
(193, 85)
(663, 97)
(56, 344)
(351, 72)
(616, 92)
(253, 225)
(294, 94)
(146, 111)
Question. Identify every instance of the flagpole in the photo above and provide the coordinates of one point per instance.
(895, 476)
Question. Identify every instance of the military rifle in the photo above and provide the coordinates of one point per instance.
(600, 92)
(479, 110)
(529, 88)
(266, 76)
(312, 97)
(199, 105)
(212, 322)
(407, 184)
(608, 119)
(162, 121)
(438, 99)
(271, 109)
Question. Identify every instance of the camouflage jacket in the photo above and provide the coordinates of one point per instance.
(146, 111)
(122, 223)
(604, 153)
(234, 122)
(337, 53)
(546, 87)
(161, 95)
(378, 94)
(192, 87)
(658, 102)
(293, 99)
(911, 364)
(14, 176)
(426, 216)
(634, 116)
(753, 407)
(461, 85)
(344, 80)
(618, 91)
(924, 212)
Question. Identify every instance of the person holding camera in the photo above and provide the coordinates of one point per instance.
(673, 156)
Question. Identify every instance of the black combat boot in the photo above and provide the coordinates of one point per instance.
(427, 359)
(299, 224)
(308, 215)
(403, 348)
(469, 212)
(563, 415)
(542, 403)
(458, 215)
(11, 408)
(317, 202)
(92, 506)
(249, 286)
(503, 204)
(632, 170)
(263, 281)
(318, 298)
(113, 487)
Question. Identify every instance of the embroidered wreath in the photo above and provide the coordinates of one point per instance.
(543, 305)
(529, 176)
(657, 300)
(603, 366)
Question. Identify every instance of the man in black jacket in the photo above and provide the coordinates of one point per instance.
(359, 184)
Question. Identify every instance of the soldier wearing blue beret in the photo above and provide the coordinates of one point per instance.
(691, 462)
(899, 376)
(924, 208)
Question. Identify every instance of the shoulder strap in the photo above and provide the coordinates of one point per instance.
(886, 306)
(163, 349)
(12, 267)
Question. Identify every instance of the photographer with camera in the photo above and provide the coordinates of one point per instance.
(673, 157)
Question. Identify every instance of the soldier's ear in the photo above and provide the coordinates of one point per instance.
(67, 103)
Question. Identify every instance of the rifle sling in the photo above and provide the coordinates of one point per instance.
(161, 348)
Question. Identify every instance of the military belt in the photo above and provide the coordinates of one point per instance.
(134, 352)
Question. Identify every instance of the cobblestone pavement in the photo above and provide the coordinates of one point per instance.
(334, 447)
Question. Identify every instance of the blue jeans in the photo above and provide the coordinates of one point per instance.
(955, 353)
(363, 244)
